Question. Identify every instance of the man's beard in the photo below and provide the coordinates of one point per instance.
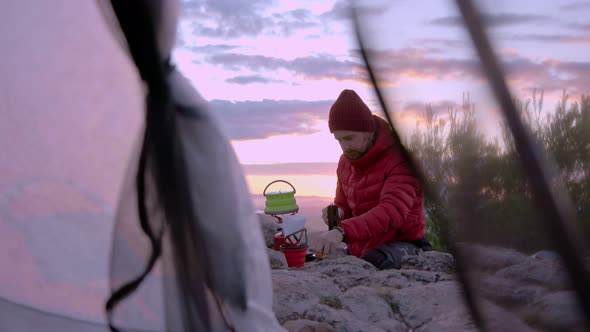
(353, 154)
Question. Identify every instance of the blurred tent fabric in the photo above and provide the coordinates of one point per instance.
(458, 199)
(78, 167)
(71, 108)
(17, 317)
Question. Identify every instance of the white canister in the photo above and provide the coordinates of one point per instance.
(293, 224)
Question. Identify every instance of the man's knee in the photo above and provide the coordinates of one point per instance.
(389, 256)
(376, 257)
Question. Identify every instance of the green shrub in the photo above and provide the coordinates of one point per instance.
(467, 172)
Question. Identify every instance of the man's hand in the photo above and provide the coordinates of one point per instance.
(327, 243)
(325, 214)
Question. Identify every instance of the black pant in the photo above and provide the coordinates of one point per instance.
(389, 256)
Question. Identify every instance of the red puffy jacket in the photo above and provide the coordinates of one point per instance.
(381, 197)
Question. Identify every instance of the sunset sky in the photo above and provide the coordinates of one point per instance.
(271, 69)
(72, 107)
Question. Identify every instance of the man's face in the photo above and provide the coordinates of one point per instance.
(354, 144)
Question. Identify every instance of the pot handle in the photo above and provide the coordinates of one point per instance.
(264, 192)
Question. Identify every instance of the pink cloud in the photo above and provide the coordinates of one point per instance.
(311, 67)
(522, 73)
(325, 168)
(561, 38)
(576, 6)
(235, 19)
(494, 20)
(260, 119)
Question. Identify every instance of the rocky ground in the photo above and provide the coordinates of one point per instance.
(517, 292)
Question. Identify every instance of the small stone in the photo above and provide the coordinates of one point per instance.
(429, 261)
(277, 259)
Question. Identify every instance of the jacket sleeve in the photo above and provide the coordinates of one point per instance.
(398, 195)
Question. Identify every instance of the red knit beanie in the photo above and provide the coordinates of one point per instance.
(349, 112)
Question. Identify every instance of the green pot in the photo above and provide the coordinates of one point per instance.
(280, 202)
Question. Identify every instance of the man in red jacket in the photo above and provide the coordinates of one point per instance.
(379, 198)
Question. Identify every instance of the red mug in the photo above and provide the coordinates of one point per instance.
(278, 239)
(294, 254)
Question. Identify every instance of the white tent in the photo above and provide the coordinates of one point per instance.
(71, 128)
